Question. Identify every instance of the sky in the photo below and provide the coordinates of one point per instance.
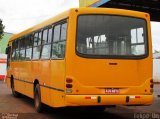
(18, 15)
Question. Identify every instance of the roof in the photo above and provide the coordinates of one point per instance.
(65, 15)
(92, 3)
(149, 6)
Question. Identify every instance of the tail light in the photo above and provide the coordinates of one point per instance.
(151, 85)
(69, 86)
(137, 96)
(69, 90)
(151, 81)
(69, 80)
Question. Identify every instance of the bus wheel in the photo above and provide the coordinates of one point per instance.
(14, 93)
(37, 99)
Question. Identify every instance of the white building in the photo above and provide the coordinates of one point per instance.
(156, 67)
(3, 64)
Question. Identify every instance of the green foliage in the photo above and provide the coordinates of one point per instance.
(4, 42)
(1, 29)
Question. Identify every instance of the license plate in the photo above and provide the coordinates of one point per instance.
(112, 90)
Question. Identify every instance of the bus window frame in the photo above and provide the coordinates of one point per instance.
(21, 39)
(17, 48)
(12, 49)
(146, 55)
(30, 36)
(47, 27)
(38, 45)
(55, 24)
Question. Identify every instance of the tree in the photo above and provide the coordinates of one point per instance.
(1, 29)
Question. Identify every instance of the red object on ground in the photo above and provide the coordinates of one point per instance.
(3, 65)
(2, 77)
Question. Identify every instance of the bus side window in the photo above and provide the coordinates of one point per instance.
(59, 41)
(17, 50)
(37, 45)
(46, 43)
(22, 53)
(29, 43)
(55, 42)
(137, 41)
(13, 51)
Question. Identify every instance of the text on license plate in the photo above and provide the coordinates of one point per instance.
(112, 90)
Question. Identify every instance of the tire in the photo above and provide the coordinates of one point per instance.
(14, 93)
(37, 99)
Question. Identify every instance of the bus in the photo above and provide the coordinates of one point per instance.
(84, 57)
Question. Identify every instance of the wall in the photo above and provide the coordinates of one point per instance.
(3, 63)
(156, 70)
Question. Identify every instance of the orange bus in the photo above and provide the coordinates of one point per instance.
(92, 57)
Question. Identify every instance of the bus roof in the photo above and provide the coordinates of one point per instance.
(41, 25)
(60, 17)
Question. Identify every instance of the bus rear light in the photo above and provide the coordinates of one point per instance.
(69, 86)
(88, 97)
(91, 97)
(151, 90)
(69, 80)
(69, 91)
(151, 85)
(137, 96)
(133, 97)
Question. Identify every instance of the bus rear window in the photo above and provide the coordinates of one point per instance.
(111, 36)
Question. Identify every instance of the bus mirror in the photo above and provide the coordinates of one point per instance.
(7, 50)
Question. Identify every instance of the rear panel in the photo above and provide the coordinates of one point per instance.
(118, 71)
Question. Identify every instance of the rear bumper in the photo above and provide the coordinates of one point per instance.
(88, 100)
